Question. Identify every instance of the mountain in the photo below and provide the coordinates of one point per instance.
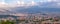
(6, 16)
(5, 12)
(31, 9)
(36, 9)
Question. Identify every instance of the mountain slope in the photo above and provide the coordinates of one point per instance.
(6, 16)
(4, 12)
(37, 9)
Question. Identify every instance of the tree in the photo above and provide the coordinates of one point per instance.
(7, 22)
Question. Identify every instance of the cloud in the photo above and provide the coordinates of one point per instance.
(50, 3)
(2, 4)
(22, 3)
(17, 3)
(58, 4)
(6, 5)
(12, 6)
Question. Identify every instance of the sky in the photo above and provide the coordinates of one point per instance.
(12, 4)
(19, 3)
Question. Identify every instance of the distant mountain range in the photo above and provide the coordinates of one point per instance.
(32, 9)
(36, 9)
(5, 11)
(6, 16)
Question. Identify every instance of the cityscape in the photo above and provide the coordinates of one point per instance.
(11, 19)
(29, 11)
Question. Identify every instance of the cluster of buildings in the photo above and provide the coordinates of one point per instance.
(39, 20)
(34, 20)
(8, 18)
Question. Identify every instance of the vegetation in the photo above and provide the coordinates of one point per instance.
(7, 22)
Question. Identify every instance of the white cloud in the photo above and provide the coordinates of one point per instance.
(6, 5)
(2, 4)
(16, 4)
(19, 3)
(45, 3)
(49, 0)
(58, 4)
(24, 4)
(33, 3)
